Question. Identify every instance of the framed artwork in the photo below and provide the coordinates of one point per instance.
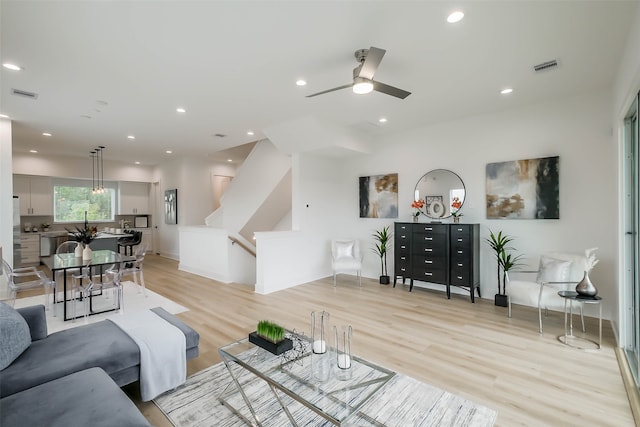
(379, 196)
(434, 206)
(171, 206)
(524, 189)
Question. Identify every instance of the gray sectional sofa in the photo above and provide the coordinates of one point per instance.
(58, 370)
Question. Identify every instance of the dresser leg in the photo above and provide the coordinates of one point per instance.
(410, 285)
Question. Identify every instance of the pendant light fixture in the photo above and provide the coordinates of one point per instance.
(97, 164)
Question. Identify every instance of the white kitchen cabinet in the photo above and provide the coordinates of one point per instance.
(36, 194)
(134, 198)
(29, 249)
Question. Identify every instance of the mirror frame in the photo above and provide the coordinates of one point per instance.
(440, 197)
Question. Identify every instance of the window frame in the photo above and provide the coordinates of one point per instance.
(84, 183)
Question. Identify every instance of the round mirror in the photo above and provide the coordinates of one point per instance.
(442, 192)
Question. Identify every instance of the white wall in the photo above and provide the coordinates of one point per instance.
(6, 190)
(78, 167)
(576, 129)
(192, 178)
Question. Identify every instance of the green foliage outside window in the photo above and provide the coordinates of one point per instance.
(71, 203)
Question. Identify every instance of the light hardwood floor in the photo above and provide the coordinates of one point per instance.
(472, 350)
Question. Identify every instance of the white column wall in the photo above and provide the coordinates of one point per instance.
(6, 190)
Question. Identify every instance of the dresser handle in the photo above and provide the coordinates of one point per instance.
(403, 247)
(402, 269)
(428, 250)
(459, 252)
(428, 261)
(428, 274)
(459, 240)
(428, 238)
(428, 228)
(459, 229)
(403, 258)
(403, 237)
(460, 277)
(459, 264)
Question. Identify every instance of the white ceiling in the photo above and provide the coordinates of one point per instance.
(233, 66)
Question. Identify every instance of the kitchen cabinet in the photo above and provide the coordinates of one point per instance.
(36, 194)
(29, 249)
(134, 198)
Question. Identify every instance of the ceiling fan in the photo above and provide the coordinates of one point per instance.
(363, 82)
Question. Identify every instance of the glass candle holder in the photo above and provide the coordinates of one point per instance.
(319, 331)
(343, 335)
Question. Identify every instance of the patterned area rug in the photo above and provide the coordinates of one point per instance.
(402, 402)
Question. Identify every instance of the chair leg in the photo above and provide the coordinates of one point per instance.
(582, 318)
(334, 279)
(144, 288)
(360, 278)
(540, 318)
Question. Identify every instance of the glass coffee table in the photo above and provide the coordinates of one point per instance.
(303, 384)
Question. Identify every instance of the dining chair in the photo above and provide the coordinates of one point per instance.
(135, 268)
(26, 278)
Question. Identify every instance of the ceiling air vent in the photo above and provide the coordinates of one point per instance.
(24, 93)
(219, 135)
(545, 65)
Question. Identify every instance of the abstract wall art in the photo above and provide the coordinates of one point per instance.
(171, 206)
(524, 189)
(379, 196)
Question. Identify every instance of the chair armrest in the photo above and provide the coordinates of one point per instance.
(36, 319)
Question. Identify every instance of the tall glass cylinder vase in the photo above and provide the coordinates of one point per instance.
(319, 331)
(343, 335)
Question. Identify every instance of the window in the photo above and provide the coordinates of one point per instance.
(73, 198)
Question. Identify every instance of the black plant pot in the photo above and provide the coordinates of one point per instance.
(275, 348)
(384, 280)
(502, 300)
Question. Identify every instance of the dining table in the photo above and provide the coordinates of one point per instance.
(63, 263)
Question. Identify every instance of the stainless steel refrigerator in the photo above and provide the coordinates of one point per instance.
(16, 232)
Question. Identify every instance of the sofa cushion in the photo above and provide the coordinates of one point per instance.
(15, 335)
(85, 398)
(101, 344)
(553, 270)
(344, 249)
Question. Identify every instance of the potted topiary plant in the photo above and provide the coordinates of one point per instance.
(270, 336)
(499, 243)
(383, 243)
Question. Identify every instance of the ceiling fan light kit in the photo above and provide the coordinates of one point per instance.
(362, 86)
(363, 82)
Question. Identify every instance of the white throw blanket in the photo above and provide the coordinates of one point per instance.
(163, 359)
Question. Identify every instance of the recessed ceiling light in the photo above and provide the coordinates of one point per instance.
(12, 67)
(33, 151)
(4, 116)
(229, 160)
(181, 110)
(46, 134)
(137, 163)
(301, 83)
(382, 120)
(250, 133)
(506, 91)
(455, 17)
(131, 137)
(169, 152)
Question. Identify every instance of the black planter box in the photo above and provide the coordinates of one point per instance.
(275, 348)
(502, 300)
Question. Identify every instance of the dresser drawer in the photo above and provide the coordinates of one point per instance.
(435, 275)
(430, 228)
(460, 230)
(461, 277)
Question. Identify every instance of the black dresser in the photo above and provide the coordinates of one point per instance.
(447, 254)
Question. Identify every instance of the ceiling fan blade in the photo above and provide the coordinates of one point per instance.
(390, 90)
(371, 62)
(330, 90)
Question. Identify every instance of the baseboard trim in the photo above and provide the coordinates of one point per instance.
(629, 384)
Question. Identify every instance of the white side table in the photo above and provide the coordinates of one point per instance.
(568, 338)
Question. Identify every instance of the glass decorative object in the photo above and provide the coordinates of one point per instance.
(319, 331)
(343, 335)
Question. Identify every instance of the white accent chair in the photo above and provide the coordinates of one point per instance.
(25, 278)
(557, 271)
(346, 258)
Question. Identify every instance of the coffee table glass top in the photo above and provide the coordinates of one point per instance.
(311, 379)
